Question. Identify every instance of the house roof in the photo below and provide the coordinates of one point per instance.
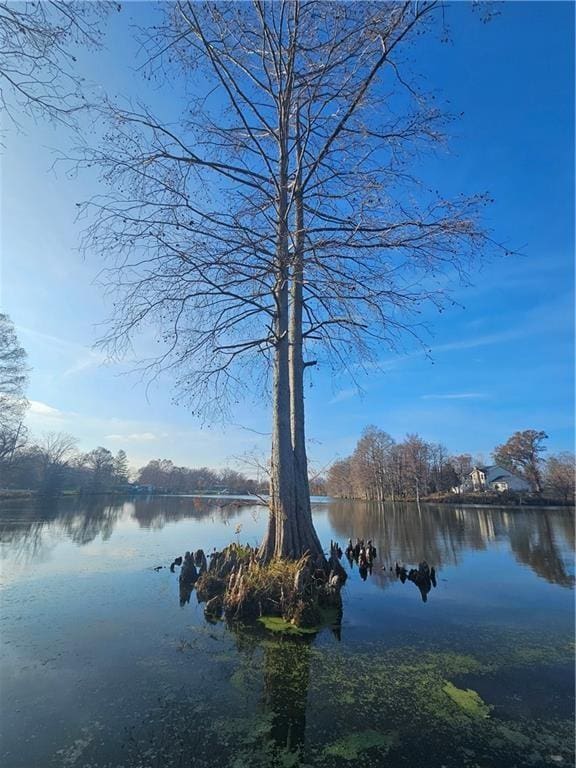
(495, 472)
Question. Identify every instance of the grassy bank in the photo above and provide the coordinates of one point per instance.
(497, 499)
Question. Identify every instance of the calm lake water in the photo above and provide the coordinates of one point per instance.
(101, 665)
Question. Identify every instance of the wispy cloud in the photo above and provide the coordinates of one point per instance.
(39, 408)
(344, 394)
(457, 396)
(134, 437)
(76, 357)
(57, 342)
(392, 363)
(44, 416)
(85, 362)
(480, 341)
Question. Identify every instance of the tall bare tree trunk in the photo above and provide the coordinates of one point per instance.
(308, 539)
(290, 529)
(283, 497)
(281, 539)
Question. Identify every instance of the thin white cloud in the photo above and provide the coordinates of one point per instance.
(344, 394)
(84, 363)
(77, 357)
(457, 396)
(480, 341)
(51, 340)
(135, 437)
(392, 363)
(39, 408)
(44, 416)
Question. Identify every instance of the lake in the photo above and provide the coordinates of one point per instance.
(103, 663)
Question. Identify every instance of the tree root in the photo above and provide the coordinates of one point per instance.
(296, 590)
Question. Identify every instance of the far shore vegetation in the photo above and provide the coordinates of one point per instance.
(379, 469)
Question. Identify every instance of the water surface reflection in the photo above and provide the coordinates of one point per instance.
(440, 534)
(104, 661)
(541, 539)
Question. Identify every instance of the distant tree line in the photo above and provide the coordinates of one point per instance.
(381, 468)
(165, 476)
(13, 380)
(53, 464)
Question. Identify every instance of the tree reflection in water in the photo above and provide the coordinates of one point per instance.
(439, 534)
(263, 721)
(26, 526)
(286, 663)
(286, 678)
(407, 533)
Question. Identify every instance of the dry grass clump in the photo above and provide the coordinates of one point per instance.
(258, 589)
(277, 576)
(244, 588)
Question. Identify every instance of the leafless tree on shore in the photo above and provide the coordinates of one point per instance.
(279, 223)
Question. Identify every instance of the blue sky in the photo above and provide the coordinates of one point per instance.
(502, 359)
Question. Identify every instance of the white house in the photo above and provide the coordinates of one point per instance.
(494, 478)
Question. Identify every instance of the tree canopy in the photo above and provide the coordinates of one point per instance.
(38, 47)
(280, 222)
(521, 453)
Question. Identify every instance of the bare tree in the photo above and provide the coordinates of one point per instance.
(100, 463)
(54, 451)
(37, 60)
(560, 476)
(521, 454)
(381, 469)
(370, 464)
(339, 480)
(442, 473)
(280, 214)
(462, 465)
(13, 380)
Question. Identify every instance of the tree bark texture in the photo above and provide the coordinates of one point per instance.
(307, 534)
(290, 530)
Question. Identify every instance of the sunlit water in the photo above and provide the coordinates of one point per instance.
(102, 666)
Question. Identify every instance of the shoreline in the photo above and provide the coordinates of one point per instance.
(468, 500)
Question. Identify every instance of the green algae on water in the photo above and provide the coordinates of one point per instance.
(277, 624)
(468, 700)
(351, 747)
(328, 617)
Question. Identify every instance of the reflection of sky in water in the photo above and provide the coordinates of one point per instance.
(91, 635)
